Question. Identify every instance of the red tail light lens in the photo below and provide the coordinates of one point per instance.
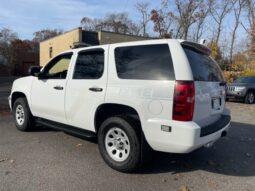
(184, 99)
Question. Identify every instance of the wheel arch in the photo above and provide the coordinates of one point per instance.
(15, 96)
(107, 110)
(251, 90)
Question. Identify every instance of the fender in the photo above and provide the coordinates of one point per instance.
(22, 85)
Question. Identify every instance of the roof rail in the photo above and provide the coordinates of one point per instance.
(80, 45)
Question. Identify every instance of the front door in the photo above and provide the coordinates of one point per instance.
(48, 90)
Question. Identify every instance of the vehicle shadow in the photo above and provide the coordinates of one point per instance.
(232, 155)
(237, 101)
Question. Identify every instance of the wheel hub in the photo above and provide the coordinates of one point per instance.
(251, 98)
(117, 144)
(20, 115)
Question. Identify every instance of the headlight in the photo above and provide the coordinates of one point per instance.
(239, 89)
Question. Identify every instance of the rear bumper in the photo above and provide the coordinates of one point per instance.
(218, 125)
(184, 136)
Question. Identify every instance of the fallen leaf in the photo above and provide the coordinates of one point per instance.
(4, 159)
(178, 175)
(184, 188)
(163, 180)
(212, 184)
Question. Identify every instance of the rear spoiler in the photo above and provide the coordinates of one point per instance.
(197, 47)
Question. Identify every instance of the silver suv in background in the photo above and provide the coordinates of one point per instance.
(243, 88)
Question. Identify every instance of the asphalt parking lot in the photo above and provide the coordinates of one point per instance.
(52, 160)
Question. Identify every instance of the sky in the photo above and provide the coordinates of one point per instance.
(27, 16)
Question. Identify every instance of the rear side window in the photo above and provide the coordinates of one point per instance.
(89, 65)
(203, 67)
(145, 62)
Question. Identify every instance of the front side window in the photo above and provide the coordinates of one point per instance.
(144, 62)
(58, 67)
(89, 64)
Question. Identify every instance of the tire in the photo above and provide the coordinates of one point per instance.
(249, 98)
(23, 118)
(119, 144)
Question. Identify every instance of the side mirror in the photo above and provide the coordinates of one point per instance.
(34, 70)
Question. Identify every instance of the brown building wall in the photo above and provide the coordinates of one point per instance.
(53, 46)
(58, 44)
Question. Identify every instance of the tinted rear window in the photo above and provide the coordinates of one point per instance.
(203, 67)
(145, 62)
(89, 65)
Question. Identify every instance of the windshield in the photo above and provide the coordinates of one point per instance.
(245, 79)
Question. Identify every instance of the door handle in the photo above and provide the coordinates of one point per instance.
(58, 87)
(96, 89)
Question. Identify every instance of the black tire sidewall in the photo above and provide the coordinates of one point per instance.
(27, 118)
(132, 162)
(247, 98)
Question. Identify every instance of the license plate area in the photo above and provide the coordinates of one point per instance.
(216, 103)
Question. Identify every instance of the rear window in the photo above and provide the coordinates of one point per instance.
(203, 67)
(145, 62)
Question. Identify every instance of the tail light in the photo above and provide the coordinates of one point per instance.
(184, 99)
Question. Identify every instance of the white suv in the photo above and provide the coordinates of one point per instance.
(167, 93)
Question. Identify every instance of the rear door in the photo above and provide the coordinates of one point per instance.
(209, 85)
(86, 87)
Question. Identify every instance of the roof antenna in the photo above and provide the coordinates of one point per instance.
(202, 41)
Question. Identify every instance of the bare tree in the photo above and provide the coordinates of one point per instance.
(45, 34)
(188, 11)
(204, 11)
(218, 12)
(250, 5)
(249, 26)
(238, 5)
(114, 22)
(142, 8)
(177, 21)
(162, 20)
(89, 24)
(6, 39)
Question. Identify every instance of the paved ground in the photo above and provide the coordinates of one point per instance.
(52, 160)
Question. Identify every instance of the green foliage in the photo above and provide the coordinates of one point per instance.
(230, 76)
(215, 51)
(248, 72)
